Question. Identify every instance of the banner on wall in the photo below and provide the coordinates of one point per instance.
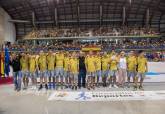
(108, 96)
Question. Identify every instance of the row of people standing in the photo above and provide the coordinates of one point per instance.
(78, 69)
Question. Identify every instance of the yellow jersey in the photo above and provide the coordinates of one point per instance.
(66, 63)
(24, 63)
(141, 64)
(113, 64)
(105, 62)
(74, 64)
(51, 61)
(42, 62)
(90, 63)
(32, 64)
(98, 63)
(59, 60)
(131, 63)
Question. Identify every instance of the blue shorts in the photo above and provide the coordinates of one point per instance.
(25, 73)
(131, 74)
(66, 73)
(59, 71)
(43, 74)
(17, 74)
(32, 75)
(74, 76)
(98, 73)
(105, 73)
(141, 75)
(92, 74)
(112, 72)
(51, 73)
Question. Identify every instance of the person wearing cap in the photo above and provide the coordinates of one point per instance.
(42, 63)
(122, 67)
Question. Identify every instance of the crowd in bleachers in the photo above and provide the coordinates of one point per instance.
(153, 47)
(155, 44)
(80, 32)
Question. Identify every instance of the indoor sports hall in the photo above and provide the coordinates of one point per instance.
(82, 56)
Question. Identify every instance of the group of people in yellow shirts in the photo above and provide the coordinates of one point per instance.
(61, 69)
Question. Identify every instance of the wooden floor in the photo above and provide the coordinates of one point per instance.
(12, 102)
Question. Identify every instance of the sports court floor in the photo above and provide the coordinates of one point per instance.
(12, 102)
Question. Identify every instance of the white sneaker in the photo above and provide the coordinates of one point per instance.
(115, 86)
(110, 86)
(34, 87)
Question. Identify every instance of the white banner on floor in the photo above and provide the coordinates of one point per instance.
(107, 96)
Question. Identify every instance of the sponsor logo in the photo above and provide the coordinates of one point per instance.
(82, 96)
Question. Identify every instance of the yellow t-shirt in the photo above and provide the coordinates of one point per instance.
(42, 62)
(113, 64)
(74, 63)
(141, 62)
(32, 64)
(59, 60)
(51, 62)
(131, 63)
(98, 62)
(24, 63)
(105, 63)
(66, 63)
(90, 63)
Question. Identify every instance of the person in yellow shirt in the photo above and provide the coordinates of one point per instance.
(60, 69)
(131, 67)
(98, 68)
(90, 66)
(51, 68)
(32, 70)
(25, 69)
(113, 70)
(66, 69)
(74, 69)
(105, 68)
(42, 64)
(142, 68)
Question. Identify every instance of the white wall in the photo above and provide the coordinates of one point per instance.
(158, 67)
(7, 29)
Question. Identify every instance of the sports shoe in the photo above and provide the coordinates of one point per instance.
(40, 87)
(110, 86)
(134, 87)
(141, 88)
(115, 86)
(46, 86)
(128, 86)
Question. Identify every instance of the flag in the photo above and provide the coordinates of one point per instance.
(2, 64)
(7, 60)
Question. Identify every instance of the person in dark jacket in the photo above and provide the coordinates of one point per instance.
(15, 63)
(82, 71)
